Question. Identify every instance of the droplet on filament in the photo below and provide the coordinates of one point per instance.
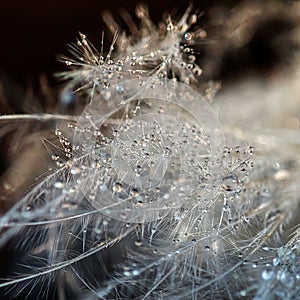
(150, 158)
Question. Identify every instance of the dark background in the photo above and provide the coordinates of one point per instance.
(34, 33)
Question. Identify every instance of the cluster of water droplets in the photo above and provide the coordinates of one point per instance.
(164, 50)
(157, 147)
(147, 191)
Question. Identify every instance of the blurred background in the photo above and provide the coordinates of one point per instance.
(34, 33)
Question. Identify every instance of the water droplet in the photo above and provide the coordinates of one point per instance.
(138, 170)
(138, 243)
(286, 278)
(157, 190)
(170, 27)
(267, 274)
(188, 36)
(134, 193)
(276, 261)
(167, 152)
(103, 188)
(107, 95)
(59, 185)
(55, 157)
(251, 150)
(197, 71)
(67, 97)
(127, 273)
(117, 187)
(92, 196)
(120, 89)
(75, 171)
(68, 63)
(281, 175)
(230, 183)
(243, 166)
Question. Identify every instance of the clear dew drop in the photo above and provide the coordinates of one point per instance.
(138, 243)
(120, 89)
(197, 71)
(7, 186)
(230, 183)
(107, 95)
(267, 274)
(67, 97)
(188, 36)
(117, 187)
(281, 175)
(103, 188)
(55, 157)
(59, 185)
(138, 170)
(167, 152)
(134, 193)
(127, 273)
(286, 279)
(276, 261)
(170, 27)
(75, 171)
